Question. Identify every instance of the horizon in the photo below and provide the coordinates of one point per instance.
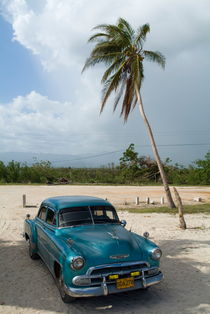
(75, 161)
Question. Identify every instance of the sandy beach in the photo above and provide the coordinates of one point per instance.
(26, 286)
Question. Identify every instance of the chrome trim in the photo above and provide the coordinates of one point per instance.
(91, 215)
(119, 256)
(143, 276)
(144, 283)
(72, 261)
(123, 264)
(70, 241)
(107, 288)
(104, 286)
(153, 252)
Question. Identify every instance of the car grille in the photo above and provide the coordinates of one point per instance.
(98, 275)
(118, 268)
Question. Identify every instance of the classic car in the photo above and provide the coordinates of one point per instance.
(88, 250)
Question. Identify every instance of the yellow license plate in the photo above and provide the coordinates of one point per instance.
(125, 283)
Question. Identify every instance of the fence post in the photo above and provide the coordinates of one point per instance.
(137, 200)
(24, 200)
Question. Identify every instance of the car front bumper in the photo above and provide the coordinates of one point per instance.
(110, 288)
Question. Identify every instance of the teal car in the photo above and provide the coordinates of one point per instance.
(88, 250)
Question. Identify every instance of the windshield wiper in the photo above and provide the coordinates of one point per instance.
(76, 223)
(99, 220)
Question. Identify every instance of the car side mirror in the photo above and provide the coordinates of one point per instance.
(123, 223)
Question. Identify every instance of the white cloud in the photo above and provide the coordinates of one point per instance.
(57, 30)
(36, 123)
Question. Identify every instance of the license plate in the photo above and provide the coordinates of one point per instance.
(125, 283)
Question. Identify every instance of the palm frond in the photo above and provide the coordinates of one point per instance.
(120, 91)
(106, 58)
(98, 36)
(155, 57)
(110, 86)
(100, 26)
(128, 98)
(142, 33)
(119, 62)
(135, 100)
(115, 33)
(123, 24)
(106, 48)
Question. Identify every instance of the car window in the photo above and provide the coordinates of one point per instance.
(42, 213)
(104, 214)
(75, 216)
(50, 217)
(87, 215)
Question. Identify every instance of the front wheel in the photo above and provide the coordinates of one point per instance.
(65, 297)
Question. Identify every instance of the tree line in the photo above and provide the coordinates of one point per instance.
(132, 169)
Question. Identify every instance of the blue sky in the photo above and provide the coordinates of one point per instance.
(47, 106)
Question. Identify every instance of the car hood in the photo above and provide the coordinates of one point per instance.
(105, 243)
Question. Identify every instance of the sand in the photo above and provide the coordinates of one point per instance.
(26, 286)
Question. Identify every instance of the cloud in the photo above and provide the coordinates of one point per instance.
(36, 123)
(57, 30)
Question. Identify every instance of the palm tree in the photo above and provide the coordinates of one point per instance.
(120, 48)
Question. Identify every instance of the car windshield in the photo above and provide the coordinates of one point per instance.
(87, 215)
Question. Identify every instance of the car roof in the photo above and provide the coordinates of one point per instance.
(61, 202)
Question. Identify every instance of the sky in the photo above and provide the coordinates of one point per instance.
(48, 107)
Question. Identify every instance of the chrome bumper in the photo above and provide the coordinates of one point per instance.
(109, 288)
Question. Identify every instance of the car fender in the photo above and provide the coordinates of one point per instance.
(30, 231)
(147, 246)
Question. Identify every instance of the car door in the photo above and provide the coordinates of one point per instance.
(41, 233)
(49, 237)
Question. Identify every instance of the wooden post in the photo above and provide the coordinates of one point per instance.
(137, 200)
(147, 200)
(24, 200)
(182, 222)
(162, 200)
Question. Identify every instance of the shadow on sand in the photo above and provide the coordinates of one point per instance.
(28, 284)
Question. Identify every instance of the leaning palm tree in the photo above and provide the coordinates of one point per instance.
(121, 49)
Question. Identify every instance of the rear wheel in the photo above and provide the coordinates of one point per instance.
(30, 251)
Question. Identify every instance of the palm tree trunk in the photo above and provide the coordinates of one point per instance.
(155, 151)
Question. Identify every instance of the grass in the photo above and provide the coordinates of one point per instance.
(188, 209)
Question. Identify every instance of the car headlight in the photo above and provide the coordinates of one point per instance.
(156, 254)
(77, 262)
